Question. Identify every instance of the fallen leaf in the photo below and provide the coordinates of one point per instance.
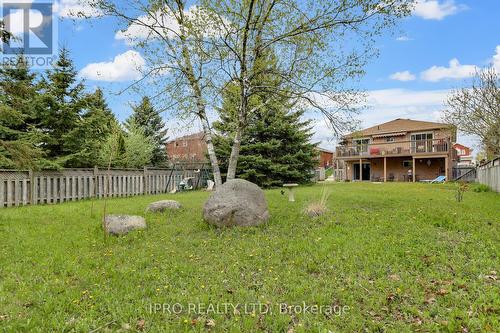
(140, 324)
(394, 277)
(210, 323)
(430, 300)
(442, 292)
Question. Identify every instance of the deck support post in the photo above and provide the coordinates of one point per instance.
(360, 169)
(385, 169)
(414, 169)
(446, 168)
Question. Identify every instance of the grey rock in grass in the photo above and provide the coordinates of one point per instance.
(161, 206)
(236, 203)
(123, 224)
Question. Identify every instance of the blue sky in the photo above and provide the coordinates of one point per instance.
(428, 54)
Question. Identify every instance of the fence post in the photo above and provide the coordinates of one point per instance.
(31, 187)
(96, 184)
(146, 182)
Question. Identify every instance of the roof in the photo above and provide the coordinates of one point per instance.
(459, 145)
(324, 150)
(397, 126)
(194, 136)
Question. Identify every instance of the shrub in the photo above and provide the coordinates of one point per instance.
(482, 188)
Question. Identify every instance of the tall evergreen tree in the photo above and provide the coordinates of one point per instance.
(275, 147)
(18, 104)
(63, 103)
(146, 117)
(85, 140)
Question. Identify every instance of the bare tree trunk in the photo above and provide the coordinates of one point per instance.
(235, 153)
(211, 153)
(244, 93)
(200, 104)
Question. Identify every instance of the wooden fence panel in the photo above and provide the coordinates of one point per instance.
(489, 174)
(18, 187)
(2, 193)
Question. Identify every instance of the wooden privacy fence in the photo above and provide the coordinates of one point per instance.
(489, 174)
(24, 187)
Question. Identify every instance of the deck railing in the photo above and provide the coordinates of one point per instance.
(400, 148)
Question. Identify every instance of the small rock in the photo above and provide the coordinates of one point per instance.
(163, 205)
(123, 224)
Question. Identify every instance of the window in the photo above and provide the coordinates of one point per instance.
(421, 136)
(362, 145)
(389, 139)
(421, 143)
(407, 164)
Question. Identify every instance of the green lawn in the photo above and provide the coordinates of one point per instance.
(388, 257)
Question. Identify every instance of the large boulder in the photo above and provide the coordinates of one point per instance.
(163, 205)
(236, 203)
(123, 224)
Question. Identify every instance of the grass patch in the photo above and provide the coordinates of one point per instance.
(401, 257)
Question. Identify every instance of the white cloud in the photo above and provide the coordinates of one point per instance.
(436, 10)
(124, 67)
(454, 71)
(75, 9)
(496, 59)
(165, 23)
(403, 39)
(402, 76)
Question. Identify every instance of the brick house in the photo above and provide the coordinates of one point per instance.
(464, 154)
(325, 157)
(399, 150)
(188, 148)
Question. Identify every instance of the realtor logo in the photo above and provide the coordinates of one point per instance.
(32, 27)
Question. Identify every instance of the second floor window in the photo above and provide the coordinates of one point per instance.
(362, 145)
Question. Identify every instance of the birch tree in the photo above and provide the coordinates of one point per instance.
(195, 52)
(321, 46)
(475, 110)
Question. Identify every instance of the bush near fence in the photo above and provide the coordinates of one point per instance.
(24, 187)
(489, 174)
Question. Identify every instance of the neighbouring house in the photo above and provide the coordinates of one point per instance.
(464, 155)
(399, 150)
(188, 148)
(325, 157)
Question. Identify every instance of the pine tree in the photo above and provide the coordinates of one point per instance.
(275, 146)
(146, 117)
(63, 103)
(92, 129)
(18, 136)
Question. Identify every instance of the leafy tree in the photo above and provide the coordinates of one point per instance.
(146, 117)
(475, 110)
(139, 147)
(131, 149)
(63, 102)
(193, 48)
(18, 104)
